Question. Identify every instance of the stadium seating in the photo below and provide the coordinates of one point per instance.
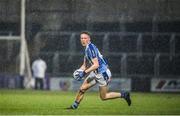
(56, 43)
(169, 66)
(73, 26)
(8, 53)
(7, 28)
(114, 63)
(137, 62)
(156, 44)
(166, 26)
(105, 26)
(142, 65)
(138, 27)
(98, 41)
(33, 29)
(48, 58)
(67, 63)
(177, 44)
(79, 48)
(125, 43)
(137, 43)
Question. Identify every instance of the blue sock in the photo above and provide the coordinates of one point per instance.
(75, 105)
(122, 94)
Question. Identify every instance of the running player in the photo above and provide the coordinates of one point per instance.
(97, 73)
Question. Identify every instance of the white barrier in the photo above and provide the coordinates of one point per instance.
(66, 84)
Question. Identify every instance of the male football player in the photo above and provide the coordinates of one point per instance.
(97, 73)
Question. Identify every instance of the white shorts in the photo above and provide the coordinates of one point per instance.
(100, 79)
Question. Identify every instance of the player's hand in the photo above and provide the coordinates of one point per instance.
(82, 74)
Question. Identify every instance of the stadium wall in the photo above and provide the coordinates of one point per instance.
(66, 84)
(117, 84)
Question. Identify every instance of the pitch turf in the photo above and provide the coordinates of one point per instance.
(21, 102)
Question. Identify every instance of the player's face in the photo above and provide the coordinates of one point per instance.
(85, 39)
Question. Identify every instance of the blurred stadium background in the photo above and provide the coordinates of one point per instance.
(139, 38)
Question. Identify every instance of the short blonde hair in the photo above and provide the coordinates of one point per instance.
(87, 33)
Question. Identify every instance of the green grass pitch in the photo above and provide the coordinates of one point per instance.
(27, 102)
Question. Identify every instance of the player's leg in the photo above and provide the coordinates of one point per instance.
(105, 95)
(36, 83)
(41, 84)
(88, 83)
(85, 86)
(103, 80)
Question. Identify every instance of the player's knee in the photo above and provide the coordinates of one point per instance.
(82, 90)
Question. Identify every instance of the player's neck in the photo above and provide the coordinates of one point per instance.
(87, 44)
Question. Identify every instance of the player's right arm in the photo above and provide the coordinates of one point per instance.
(83, 66)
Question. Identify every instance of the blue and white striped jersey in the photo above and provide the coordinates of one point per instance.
(91, 52)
